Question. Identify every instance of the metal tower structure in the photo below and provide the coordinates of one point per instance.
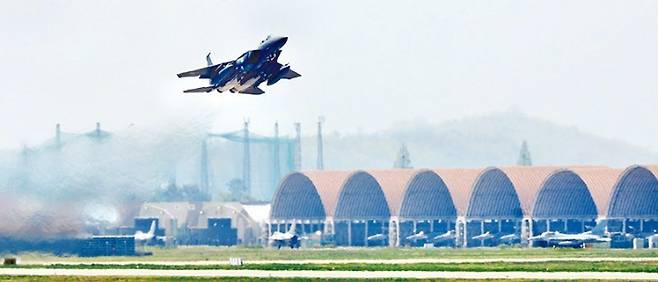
(524, 155)
(298, 149)
(247, 139)
(58, 135)
(204, 181)
(276, 163)
(320, 162)
(246, 160)
(403, 160)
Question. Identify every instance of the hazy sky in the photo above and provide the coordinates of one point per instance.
(365, 64)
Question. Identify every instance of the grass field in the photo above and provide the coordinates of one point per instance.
(223, 253)
(476, 267)
(175, 279)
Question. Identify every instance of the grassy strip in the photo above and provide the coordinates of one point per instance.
(475, 267)
(231, 279)
(222, 253)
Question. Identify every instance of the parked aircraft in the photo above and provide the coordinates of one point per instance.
(377, 237)
(289, 238)
(450, 235)
(418, 236)
(555, 238)
(483, 236)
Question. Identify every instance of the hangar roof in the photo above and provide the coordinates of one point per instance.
(415, 193)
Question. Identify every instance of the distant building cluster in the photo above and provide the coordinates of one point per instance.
(482, 207)
(203, 223)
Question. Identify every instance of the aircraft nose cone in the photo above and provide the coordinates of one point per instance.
(283, 40)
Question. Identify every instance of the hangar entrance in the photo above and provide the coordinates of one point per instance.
(494, 211)
(356, 232)
(567, 226)
(488, 232)
(430, 227)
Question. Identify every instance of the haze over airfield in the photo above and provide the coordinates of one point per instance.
(366, 65)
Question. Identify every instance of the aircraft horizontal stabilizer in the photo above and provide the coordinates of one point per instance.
(253, 91)
(194, 73)
(206, 89)
(290, 74)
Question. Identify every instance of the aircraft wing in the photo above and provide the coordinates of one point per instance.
(205, 89)
(253, 91)
(202, 72)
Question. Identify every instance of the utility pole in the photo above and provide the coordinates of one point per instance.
(276, 165)
(524, 155)
(246, 163)
(98, 130)
(204, 181)
(320, 163)
(403, 160)
(58, 136)
(298, 146)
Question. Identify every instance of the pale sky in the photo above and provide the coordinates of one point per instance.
(365, 65)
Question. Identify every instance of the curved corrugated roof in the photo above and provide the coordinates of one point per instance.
(328, 185)
(600, 182)
(635, 194)
(494, 196)
(527, 181)
(653, 169)
(393, 182)
(427, 197)
(415, 193)
(361, 197)
(167, 210)
(297, 198)
(564, 194)
(459, 181)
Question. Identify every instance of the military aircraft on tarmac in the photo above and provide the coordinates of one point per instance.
(377, 237)
(145, 237)
(483, 236)
(418, 236)
(450, 235)
(556, 238)
(509, 237)
(244, 74)
(139, 236)
(290, 238)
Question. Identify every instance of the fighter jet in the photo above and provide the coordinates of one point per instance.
(556, 238)
(145, 237)
(139, 236)
(483, 236)
(509, 237)
(244, 74)
(450, 235)
(290, 237)
(377, 237)
(418, 236)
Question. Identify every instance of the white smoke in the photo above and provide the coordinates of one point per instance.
(56, 189)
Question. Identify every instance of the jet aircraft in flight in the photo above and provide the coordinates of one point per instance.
(244, 74)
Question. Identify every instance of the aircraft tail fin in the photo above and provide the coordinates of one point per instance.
(209, 60)
(599, 229)
(293, 226)
(152, 229)
(253, 90)
(205, 89)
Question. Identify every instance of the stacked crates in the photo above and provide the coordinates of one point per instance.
(108, 246)
(220, 233)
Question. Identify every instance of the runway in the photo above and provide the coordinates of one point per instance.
(330, 274)
(349, 261)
